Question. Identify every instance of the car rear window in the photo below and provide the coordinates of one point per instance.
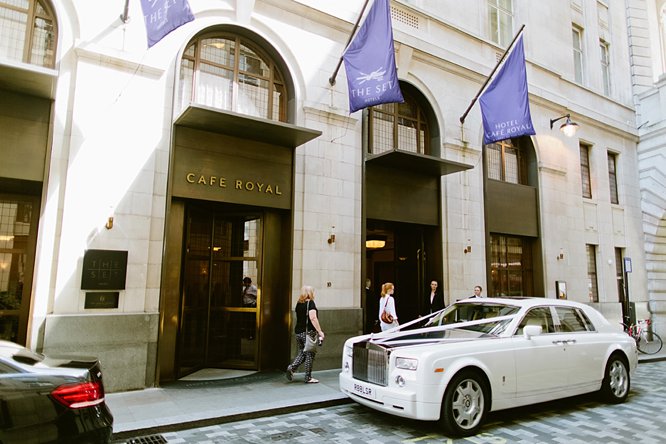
(572, 319)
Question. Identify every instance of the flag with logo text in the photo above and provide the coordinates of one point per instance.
(505, 106)
(163, 16)
(369, 59)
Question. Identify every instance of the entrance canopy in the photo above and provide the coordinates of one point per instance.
(245, 127)
(418, 163)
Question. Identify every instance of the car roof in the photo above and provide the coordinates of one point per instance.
(526, 301)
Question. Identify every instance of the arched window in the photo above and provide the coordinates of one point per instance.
(399, 126)
(230, 72)
(28, 32)
(505, 162)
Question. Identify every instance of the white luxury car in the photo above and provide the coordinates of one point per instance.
(486, 354)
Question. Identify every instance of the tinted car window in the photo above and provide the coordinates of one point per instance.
(538, 316)
(572, 319)
(472, 312)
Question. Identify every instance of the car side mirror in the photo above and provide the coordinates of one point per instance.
(531, 330)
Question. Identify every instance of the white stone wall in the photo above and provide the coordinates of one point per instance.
(647, 30)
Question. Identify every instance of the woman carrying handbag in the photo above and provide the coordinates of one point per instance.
(388, 318)
(307, 329)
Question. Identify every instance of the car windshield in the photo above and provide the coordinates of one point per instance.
(474, 311)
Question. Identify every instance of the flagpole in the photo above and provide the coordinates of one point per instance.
(125, 15)
(331, 79)
(462, 118)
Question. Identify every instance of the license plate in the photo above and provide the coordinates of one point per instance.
(364, 390)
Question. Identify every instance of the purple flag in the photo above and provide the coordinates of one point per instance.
(163, 16)
(370, 61)
(505, 107)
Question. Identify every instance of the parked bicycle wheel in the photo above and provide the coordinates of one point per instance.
(649, 343)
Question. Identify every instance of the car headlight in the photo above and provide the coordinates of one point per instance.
(406, 363)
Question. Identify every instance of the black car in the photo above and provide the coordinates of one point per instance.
(51, 399)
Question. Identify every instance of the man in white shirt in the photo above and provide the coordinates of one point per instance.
(249, 293)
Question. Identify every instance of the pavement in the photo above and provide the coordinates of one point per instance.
(189, 404)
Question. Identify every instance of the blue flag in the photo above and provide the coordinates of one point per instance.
(163, 16)
(370, 61)
(505, 107)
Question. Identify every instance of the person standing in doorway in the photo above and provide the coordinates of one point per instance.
(249, 297)
(306, 319)
(249, 292)
(434, 299)
(388, 317)
(478, 292)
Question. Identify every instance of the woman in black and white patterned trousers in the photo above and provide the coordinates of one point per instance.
(306, 319)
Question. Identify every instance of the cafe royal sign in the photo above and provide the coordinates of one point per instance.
(197, 184)
(222, 173)
(238, 184)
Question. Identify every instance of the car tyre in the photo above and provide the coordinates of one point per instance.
(616, 384)
(465, 404)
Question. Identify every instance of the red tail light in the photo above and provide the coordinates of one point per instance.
(79, 395)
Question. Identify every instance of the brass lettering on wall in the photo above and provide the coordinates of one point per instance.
(239, 184)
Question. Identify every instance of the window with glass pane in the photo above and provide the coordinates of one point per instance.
(15, 232)
(586, 182)
(612, 177)
(27, 32)
(399, 126)
(605, 67)
(230, 73)
(593, 290)
(510, 266)
(503, 162)
(500, 17)
(577, 38)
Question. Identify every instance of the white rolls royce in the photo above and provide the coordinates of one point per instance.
(485, 354)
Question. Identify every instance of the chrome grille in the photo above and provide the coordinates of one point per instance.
(370, 363)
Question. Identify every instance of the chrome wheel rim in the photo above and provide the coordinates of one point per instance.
(618, 379)
(468, 404)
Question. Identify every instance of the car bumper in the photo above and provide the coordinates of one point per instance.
(399, 401)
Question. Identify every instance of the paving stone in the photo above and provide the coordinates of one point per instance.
(578, 420)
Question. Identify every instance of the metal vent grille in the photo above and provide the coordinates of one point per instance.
(370, 363)
(404, 17)
(151, 439)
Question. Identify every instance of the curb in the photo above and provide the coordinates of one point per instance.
(123, 436)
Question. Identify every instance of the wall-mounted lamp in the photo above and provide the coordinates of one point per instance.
(561, 255)
(331, 236)
(109, 223)
(569, 128)
(375, 241)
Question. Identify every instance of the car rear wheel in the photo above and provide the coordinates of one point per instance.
(464, 405)
(616, 384)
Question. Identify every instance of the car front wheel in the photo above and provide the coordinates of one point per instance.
(464, 405)
(616, 384)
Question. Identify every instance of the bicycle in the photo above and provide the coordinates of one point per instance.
(647, 341)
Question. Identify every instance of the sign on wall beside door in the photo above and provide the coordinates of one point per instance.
(104, 270)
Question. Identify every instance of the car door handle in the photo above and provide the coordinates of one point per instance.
(564, 341)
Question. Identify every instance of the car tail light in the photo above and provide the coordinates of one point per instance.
(79, 395)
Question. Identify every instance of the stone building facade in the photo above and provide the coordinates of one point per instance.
(140, 186)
